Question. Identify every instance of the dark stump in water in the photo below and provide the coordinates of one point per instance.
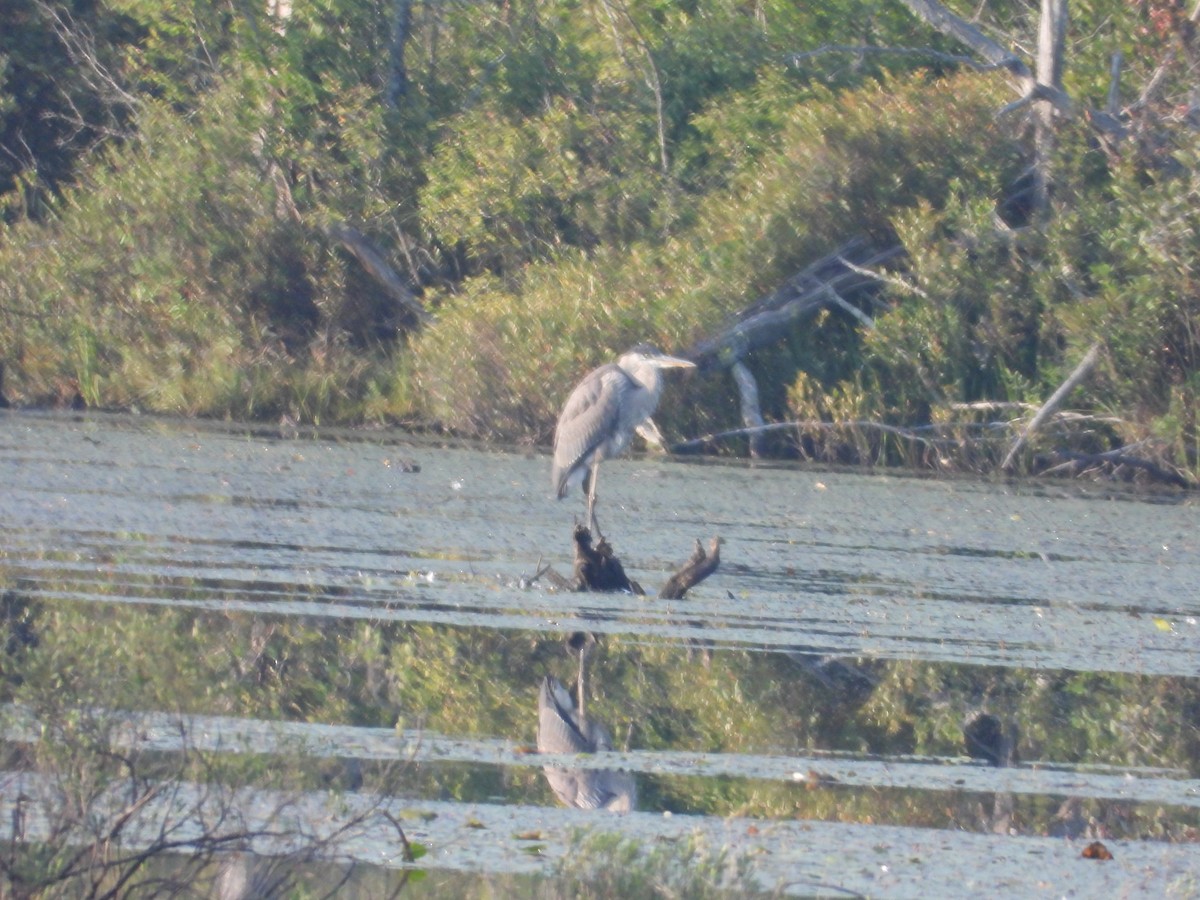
(597, 568)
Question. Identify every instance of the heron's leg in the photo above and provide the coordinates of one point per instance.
(589, 642)
(579, 687)
(591, 498)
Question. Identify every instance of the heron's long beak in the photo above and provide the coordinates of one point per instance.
(673, 362)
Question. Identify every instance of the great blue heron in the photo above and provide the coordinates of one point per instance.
(564, 727)
(601, 415)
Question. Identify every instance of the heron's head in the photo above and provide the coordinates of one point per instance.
(649, 355)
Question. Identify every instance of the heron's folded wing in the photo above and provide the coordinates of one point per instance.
(558, 731)
(589, 417)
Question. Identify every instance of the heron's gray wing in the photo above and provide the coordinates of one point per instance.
(616, 791)
(590, 416)
(593, 788)
(558, 731)
(566, 785)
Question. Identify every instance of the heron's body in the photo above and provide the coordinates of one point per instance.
(601, 415)
(563, 728)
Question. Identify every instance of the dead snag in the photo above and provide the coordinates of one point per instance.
(1115, 463)
(597, 568)
(698, 567)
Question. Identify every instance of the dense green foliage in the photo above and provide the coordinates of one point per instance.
(557, 180)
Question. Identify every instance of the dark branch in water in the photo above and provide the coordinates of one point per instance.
(597, 568)
(698, 567)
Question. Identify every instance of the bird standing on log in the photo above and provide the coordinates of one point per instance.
(602, 414)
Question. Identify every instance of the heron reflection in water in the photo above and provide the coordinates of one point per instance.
(601, 415)
(564, 727)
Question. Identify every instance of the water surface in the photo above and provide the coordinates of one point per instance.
(803, 706)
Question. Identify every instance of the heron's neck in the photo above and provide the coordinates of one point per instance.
(651, 381)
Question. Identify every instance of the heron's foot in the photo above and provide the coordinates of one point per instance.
(593, 522)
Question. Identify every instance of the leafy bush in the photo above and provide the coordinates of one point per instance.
(483, 369)
(1126, 254)
(1003, 314)
(167, 282)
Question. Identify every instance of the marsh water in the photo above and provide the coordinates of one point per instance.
(363, 599)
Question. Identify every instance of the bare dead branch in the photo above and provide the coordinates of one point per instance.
(1075, 463)
(993, 405)
(941, 19)
(650, 72)
(105, 832)
(1080, 372)
(1159, 77)
(765, 321)
(1112, 105)
(914, 432)
(698, 567)
(849, 308)
(861, 50)
(1037, 94)
(884, 278)
(368, 255)
(80, 45)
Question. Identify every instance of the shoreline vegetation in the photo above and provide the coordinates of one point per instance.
(886, 239)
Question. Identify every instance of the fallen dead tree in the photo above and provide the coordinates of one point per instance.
(834, 280)
(959, 438)
(1076, 377)
(1117, 464)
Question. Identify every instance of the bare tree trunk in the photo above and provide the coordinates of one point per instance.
(397, 86)
(650, 73)
(1052, 34)
(934, 14)
(751, 411)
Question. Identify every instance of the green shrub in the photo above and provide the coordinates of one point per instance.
(169, 281)
(842, 167)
